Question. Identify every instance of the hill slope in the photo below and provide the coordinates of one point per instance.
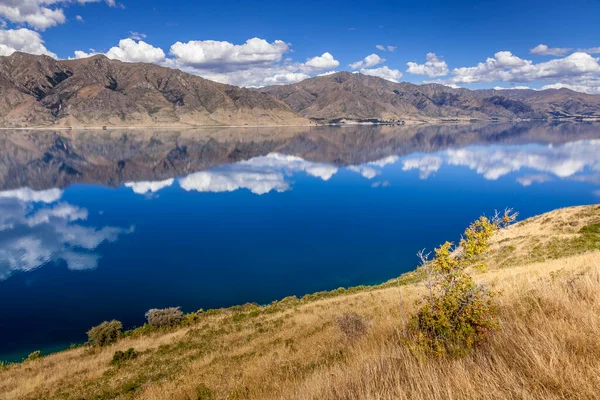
(96, 91)
(345, 95)
(547, 348)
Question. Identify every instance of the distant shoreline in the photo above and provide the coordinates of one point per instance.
(404, 123)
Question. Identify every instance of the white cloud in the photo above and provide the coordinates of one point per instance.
(386, 73)
(369, 61)
(131, 51)
(433, 67)
(514, 87)
(320, 63)
(543, 50)
(225, 56)
(40, 14)
(381, 47)
(506, 67)
(591, 50)
(149, 186)
(24, 40)
(591, 86)
(137, 35)
(79, 18)
(327, 73)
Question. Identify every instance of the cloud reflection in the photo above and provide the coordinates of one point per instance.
(260, 175)
(573, 160)
(34, 232)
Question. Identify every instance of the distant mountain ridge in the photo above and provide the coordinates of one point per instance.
(351, 96)
(97, 91)
(39, 91)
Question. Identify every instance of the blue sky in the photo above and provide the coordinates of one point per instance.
(473, 44)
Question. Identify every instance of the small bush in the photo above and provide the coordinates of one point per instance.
(121, 356)
(34, 356)
(352, 326)
(458, 314)
(203, 393)
(165, 317)
(104, 334)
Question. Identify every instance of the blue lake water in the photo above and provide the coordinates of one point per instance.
(106, 225)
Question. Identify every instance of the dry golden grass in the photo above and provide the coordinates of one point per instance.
(548, 346)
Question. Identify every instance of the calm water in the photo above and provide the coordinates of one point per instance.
(104, 225)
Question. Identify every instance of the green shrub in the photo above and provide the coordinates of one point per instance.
(104, 334)
(165, 317)
(457, 314)
(34, 356)
(122, 356)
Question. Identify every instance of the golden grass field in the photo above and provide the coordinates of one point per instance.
(548, 346)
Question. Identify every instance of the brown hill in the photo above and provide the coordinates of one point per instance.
(96, 91)
(351, 96)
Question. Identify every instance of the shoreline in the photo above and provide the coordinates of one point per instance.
(316, 125)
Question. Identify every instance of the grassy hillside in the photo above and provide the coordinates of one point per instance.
(546, 268)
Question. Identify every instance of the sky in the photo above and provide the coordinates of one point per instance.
(471, 44)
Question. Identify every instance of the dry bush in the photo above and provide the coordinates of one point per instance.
(104, 334)
(165, 317)
(351, 325)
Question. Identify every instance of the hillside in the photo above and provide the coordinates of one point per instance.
(547, 269)
(97, 91)
(350, 96)
(39, 91)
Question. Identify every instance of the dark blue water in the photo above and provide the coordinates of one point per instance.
(253, 230)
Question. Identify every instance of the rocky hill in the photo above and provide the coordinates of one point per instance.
(96, 91)
(39, 91)
(352, 96)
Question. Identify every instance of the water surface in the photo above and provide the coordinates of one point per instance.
(106, 225)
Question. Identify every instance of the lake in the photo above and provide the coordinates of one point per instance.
(99, 225)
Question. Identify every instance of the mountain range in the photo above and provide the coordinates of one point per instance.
(39, 91)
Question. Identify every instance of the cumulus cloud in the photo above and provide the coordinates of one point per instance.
(79, 18)
(506, 67)
(373, 168)
(392, 75)
(146, 187)
(369, 61)
(24, 40)
(40, 14)
(225, 56)
(543, 50)
(433, 67)
(31, 237)
(591, 50)
(321, 63)
(260, 175)
(130, 50)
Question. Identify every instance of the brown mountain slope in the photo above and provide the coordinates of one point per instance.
(351, 96)
(41, 91)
